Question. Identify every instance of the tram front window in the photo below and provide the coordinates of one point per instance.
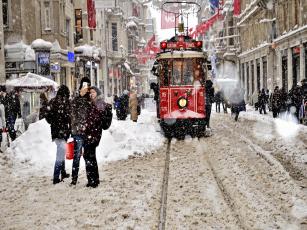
(182, 72)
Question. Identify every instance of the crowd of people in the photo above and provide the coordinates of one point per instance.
(126, 104)
(281, 101)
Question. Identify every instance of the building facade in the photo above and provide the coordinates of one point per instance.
(273, 37)
(27, 21)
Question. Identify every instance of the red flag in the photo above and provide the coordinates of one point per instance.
(91, 14)
(236, 7)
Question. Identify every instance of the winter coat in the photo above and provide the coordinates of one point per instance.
(58, 116)
(262, 98)
(237, 101)
(218, 97)
(276, 102)
(296, 96)
(93, 124)
(133, 103)
(80, 108)
(12, 105)
(283, 100)
(209, 93)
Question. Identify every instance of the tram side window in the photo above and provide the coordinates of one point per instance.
(188, 72)
(165, 74)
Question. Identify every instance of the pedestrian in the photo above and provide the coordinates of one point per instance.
(225, 103)
(11, 104)
(237, 102)
(218, 101)
(43, 106)
(296, 99)
(283, 100)
(155, 88)
(93, 130)
(115, 101)
(133, 106)
(2, 122)
(276, 102)
(209, 100)
(80, 109)
(58, 116)
(123, 106)
(143, 101)
(262, 102)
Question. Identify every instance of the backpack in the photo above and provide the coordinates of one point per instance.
(107, 117)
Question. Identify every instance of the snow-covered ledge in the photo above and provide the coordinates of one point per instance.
(41, 44)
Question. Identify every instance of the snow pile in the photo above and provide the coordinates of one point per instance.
(20, 51)
(41, 44)
(35, 151)
(287, 125)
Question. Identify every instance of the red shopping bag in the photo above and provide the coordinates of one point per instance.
(70, 150)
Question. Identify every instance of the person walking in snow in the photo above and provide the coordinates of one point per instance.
(276, 103)
(218, 101)
(296, 97)
(2, 122)
(58, 116)
(133, 106)
(262, 98)
(209, 100)
(237, 102)
(80, 108)
(93, 130)
(123, 106)
(11, 104)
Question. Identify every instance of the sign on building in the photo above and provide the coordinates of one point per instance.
(101, 4)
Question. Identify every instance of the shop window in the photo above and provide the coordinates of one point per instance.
(78, 25)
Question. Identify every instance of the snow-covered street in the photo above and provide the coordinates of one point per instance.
(247, 175)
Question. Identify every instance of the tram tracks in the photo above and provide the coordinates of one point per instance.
(162, 215)
(207, 194)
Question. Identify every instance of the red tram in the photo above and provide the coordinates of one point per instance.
(181, 68)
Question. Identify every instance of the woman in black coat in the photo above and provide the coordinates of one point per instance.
(58, 116)
(93, 130)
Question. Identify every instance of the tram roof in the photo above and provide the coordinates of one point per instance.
(182, 54)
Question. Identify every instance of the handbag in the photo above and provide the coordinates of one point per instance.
(70, 149)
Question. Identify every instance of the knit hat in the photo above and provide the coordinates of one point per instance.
(84, 79)
(98, 91)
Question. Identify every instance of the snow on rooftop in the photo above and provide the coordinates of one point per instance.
(41, 44)
(131, 24)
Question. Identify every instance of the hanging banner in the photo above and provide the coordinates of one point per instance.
(168, 20)
(236, 7)
(91, 14)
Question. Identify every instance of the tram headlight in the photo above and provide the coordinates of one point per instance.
(182, 102)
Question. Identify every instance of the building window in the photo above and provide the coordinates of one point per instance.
(114, 37)
(68, 32)
(78, 25)
(6, 11)
(47, 16)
